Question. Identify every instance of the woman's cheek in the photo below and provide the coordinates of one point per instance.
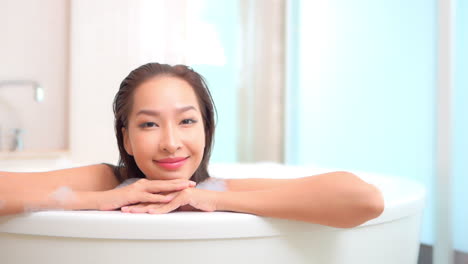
(146, 142)
(198, 140)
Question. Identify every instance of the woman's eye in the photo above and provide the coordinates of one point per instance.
(148, 124)
(188, 121)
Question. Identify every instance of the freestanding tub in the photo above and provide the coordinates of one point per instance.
(220, 237)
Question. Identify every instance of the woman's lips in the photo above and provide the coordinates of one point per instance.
(171, 165)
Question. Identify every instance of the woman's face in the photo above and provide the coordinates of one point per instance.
(165, 122)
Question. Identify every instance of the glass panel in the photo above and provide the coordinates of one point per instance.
(365, 91)
(460, 143)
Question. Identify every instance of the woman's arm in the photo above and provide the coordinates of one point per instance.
(254, 184)
(338, 199)
(43, 190)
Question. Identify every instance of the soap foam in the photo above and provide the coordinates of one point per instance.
(213, 184)
(63, 195)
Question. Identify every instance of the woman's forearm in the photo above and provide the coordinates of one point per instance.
(12, 205)
(17, 196)
(339, 200)
(30, 200)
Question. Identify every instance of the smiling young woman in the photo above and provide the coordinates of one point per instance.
(164, 123)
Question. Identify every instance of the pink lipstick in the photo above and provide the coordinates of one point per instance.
(171, 163)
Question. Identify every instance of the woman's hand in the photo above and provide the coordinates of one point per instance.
(189, 199)
(141, 191)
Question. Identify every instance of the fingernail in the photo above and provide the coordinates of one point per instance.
(124, 208)
(193, 182)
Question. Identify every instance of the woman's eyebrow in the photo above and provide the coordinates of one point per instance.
(157, 113)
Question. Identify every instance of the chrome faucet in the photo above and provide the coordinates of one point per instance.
(38, 97)
(18, 141)
(38, 90)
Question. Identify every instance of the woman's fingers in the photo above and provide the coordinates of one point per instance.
(156, 208)
(179, 200)
(144, 191)
(137, 208)
(140, 208)
(132, 208)
(141, 191)
(156, 186)
(164, 208)
(155, 198)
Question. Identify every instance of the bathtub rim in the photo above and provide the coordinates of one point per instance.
(180, 225)
(223, 225)
(402, 198)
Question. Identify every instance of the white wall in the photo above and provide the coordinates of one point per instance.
(34, 45)
(100, 59)
(109, 38)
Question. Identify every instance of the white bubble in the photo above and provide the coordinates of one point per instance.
(213, 184)
(63, 195)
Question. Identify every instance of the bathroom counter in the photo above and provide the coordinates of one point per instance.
(33, 154)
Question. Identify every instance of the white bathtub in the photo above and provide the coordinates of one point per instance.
(219, 237)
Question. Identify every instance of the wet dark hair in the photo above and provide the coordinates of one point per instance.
(123, 102)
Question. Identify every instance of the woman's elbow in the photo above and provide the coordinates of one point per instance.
(377, 204)
(372, 206)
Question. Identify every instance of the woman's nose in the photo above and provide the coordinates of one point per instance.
(170, 141)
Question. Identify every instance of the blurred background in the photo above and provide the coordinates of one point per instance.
(355, 84)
